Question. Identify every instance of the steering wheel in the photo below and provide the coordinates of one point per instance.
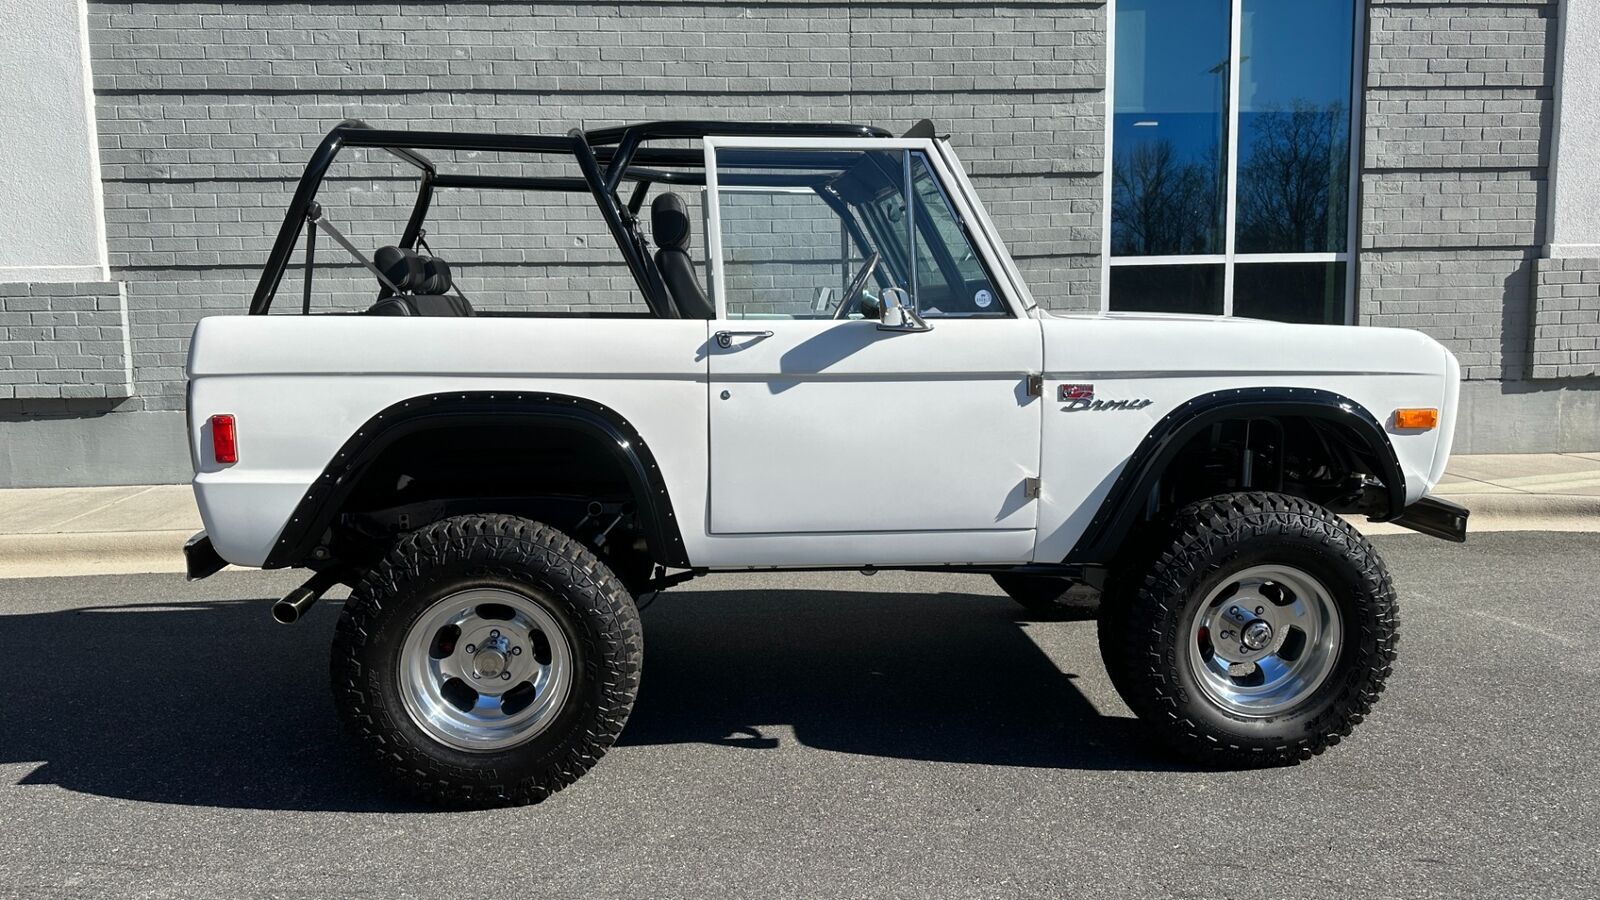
(852, 294)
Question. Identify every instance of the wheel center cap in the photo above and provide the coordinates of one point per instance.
(489, 663)
(1256, 635)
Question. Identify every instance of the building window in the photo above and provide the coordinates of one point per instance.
(1230, 158)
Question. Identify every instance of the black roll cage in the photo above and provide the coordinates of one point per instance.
(606, 157)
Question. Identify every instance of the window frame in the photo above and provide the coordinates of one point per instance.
(1229, 259)
(972, 219)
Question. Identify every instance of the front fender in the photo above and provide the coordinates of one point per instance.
(1123, 505)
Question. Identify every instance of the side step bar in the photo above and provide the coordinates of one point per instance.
(1437, 518)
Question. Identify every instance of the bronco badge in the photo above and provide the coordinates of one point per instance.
(1079, 397)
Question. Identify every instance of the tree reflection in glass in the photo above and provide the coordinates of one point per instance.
(1294, 126)
(1293, 172)
(1169, 127)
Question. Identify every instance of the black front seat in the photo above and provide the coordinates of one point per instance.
(669, 225)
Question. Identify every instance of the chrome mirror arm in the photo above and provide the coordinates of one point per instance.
(897, 313)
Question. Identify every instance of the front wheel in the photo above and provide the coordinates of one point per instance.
(1261, 633)
(487, 661)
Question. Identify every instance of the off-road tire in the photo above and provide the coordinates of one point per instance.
(505, 552)
(1153, 597)
(1047, 597)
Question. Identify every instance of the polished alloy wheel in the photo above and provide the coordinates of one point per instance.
(1264, 640)
(485, 669)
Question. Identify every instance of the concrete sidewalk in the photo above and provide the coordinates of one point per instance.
(95, 530)
(122, 530)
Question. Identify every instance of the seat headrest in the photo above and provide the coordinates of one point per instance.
(403, 268)
(435, 276)
(669, 222)
(413, 273)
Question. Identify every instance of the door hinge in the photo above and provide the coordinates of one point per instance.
(1035, 385)
(1030, 488)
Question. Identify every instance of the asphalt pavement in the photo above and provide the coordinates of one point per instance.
(811, 735)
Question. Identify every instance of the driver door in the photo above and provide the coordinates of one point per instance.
(821, 421)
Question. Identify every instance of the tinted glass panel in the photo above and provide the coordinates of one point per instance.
(1169, 289)
(1294, 125)
(1290, 292)
(1169, 127)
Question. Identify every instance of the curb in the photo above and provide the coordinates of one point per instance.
(1521, 504)
(147, 552)
(91, 553)
(1529, 512)
(1511, 511)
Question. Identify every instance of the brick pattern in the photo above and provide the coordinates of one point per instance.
(1474, 305)
(1489, 128)
(63, 341)
(1454, 183)
(1429, 209)
(1566, 318)
(780, 251)
(1445, 45)
(208, 112)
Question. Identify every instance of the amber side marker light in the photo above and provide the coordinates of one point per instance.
(1420, 419)
(224, 439)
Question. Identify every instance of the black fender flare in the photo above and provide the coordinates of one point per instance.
(317, 510)
(1120, 509)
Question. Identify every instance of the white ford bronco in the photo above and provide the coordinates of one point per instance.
(815, 352)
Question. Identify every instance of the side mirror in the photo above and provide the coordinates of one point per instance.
(897, 313)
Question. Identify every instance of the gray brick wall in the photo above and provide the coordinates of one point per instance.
(1488, 128)
(1454, 177)
(1433, 209)
(1566, 318)
(208, 112)
(62, 341)
(1460, 45)
(1477, 304)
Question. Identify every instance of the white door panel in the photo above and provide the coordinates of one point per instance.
(836, 426)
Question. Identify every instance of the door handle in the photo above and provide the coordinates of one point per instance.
(724, 339)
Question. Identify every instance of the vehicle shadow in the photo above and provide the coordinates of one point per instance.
(209, 703)
(942, 677)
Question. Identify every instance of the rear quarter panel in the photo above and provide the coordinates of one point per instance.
(300, 386)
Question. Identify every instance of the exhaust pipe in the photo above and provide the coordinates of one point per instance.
(294, 604)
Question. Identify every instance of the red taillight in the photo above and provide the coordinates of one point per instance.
(224, 439)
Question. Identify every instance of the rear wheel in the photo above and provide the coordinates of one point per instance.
(1260, 634)
(487, 661)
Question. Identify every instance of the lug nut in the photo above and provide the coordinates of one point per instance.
(516, 651)
(471, 649)
(494, 634)
(505, 676)
(1260, 610)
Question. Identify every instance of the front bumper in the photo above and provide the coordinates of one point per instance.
(200, 558)
(1439, 518)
